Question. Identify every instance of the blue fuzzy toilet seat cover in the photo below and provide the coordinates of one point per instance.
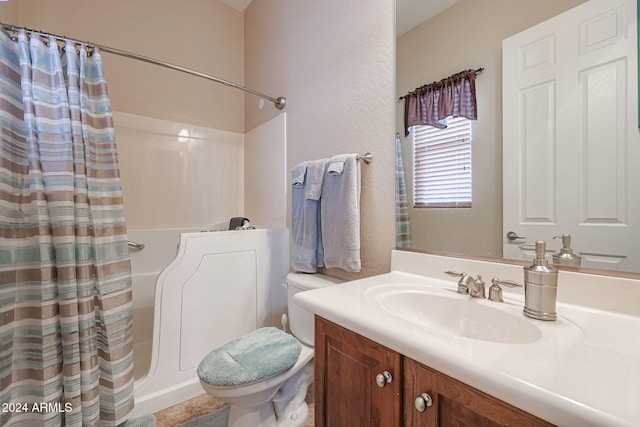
(256, 356)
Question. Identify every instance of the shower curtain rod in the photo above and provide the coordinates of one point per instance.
(278, 102)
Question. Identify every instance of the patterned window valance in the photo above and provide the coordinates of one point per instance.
(431, 104)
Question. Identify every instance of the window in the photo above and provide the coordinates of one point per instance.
(442, 165)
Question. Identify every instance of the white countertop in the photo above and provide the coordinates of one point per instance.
(584, 371)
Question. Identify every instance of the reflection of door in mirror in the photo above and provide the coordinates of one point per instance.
(470, 35)
(570, 135)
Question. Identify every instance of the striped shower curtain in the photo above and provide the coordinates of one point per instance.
(403, 225)
(65, 278)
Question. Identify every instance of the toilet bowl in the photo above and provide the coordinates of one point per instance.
(277, 399)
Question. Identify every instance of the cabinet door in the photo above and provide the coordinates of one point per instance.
(455, 403)
(346, 392)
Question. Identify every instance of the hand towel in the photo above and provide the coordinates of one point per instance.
(304, 222)
(315, 177)
(298, 174)
(340, 213)
(335, 165)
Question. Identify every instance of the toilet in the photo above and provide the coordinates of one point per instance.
(264, 375)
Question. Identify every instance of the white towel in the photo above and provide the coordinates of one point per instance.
(305, 220)
(340, 213)
(335, 165)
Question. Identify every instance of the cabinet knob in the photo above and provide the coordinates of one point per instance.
(423, 401)
(383, 379)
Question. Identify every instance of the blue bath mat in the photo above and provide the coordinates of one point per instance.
(219, 418)
(146, 421)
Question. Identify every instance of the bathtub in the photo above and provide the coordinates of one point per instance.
(186, 285)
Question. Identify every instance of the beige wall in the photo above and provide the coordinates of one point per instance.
(333, 60)
(9, 12)
(204, 35)
(468, 35)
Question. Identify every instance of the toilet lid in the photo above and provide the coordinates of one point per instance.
(256, 356)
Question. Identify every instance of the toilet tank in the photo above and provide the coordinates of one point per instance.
(301, 320)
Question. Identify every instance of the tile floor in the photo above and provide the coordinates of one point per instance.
(204, 404)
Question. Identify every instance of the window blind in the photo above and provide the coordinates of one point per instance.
(442, 165)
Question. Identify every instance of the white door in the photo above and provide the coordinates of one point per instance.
(571, 145)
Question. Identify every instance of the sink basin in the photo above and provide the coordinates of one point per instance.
(460, 315)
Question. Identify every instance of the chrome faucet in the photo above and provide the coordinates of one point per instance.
(467, 285)
(476, 288)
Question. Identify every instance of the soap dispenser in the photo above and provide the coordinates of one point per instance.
(540, 286)
(566, 255)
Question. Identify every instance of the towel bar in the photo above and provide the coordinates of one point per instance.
(367, 158)
(135, 245)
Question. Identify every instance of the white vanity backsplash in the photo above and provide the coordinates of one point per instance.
(615, 294)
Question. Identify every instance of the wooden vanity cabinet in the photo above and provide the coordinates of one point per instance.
(455, 403)
(346, 367)
(346, 392)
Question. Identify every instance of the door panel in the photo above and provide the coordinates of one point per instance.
(570, 134)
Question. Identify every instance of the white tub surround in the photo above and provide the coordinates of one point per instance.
(583, 371)
(178, 175)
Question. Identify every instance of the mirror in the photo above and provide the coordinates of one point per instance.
(458, 35)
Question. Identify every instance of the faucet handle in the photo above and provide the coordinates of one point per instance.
(463, 283)
(509, 283)
(455, 273)
(495, 291)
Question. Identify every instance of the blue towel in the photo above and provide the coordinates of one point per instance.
(340, 213)
(305, 217)
(298, 174)
(315, 177)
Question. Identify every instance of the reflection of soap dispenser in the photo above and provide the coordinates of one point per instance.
(566, 255)
(540, 286)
